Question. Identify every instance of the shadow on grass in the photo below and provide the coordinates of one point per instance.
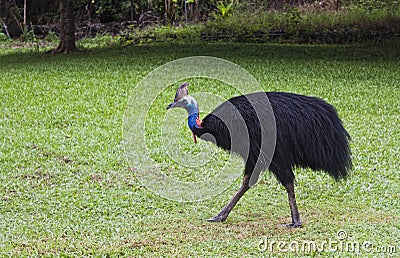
(234, 51)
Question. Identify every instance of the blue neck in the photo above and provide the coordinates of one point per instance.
(192, 108)
(193, 111)
(192, 120)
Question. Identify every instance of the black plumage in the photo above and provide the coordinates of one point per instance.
(309, 133)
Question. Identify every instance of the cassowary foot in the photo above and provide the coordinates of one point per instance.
(216, 219)
(293, 225)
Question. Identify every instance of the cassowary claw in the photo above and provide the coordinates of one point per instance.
(293, 225)
(216, 219)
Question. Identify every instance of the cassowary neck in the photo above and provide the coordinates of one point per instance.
(191, 105)
(193, 110)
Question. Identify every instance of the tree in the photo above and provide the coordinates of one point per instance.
(9, 21)
(67, 28)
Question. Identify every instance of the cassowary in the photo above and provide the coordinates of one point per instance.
(309, 133)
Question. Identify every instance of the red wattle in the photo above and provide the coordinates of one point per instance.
(199, 121)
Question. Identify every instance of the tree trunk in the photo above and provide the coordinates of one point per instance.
(25, 13)
(132, 9)
(67, 28)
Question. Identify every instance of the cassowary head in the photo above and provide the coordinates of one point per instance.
(183, 100)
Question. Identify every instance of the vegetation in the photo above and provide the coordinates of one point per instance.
(132, 22)
(291, 26)
(67, 189)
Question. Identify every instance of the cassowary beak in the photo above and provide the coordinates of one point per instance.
(171, 105)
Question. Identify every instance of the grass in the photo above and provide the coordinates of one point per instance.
(68, 190)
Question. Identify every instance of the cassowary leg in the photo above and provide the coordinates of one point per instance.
(223, 214)
(293, 206)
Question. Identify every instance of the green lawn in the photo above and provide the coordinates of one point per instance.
(67, 188)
